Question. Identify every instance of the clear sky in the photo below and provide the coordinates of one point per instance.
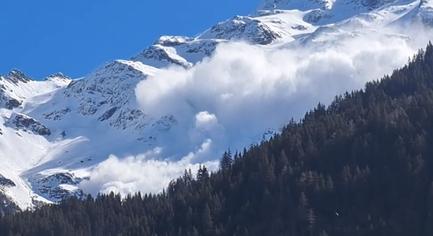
(41, 37)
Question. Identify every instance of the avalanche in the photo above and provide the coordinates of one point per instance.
(184, 100)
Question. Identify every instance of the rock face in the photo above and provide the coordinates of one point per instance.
(242, 28)
(16, 76)
(159, 55)
(5, 182)
(57, 186)
(26, 123)
(109, 95)
(8, 102)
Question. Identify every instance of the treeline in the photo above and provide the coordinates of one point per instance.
(362, 166)
(7, 207)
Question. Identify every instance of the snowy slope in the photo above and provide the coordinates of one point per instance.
(21, 148)
(54, 132)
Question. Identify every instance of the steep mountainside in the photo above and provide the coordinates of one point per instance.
(54, 132)
(362, 166)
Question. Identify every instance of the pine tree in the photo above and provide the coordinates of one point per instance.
(226, 161)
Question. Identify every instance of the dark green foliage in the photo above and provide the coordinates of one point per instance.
(7, 206)
(362, 166)
(226, 161)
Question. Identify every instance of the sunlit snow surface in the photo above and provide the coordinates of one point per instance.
(133, 125)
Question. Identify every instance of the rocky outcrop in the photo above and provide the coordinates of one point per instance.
(57, 115)
(5, 182)
(26, 123)
(108, 114)
(8, 102)
(242, 28)
(57, 187)
(162, 56)
(16, 76)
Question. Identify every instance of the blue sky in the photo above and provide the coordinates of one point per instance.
(74, 37)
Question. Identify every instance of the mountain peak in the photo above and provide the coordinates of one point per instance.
(59, 79)
(296, 4)
(320, 4)
(58, 74)
(17, 76)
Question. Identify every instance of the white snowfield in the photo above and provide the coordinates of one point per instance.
(59, 133)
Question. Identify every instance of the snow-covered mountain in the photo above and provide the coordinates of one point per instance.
(54, 132)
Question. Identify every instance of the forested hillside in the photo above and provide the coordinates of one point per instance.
(362, 166)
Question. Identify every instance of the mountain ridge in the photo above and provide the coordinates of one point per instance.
(360, 166)
(70, 126)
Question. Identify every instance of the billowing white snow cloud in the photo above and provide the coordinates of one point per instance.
(242, 91)
(141, 173)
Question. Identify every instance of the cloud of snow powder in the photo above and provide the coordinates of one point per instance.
(232, 98)
(244, 90)
(142, 173)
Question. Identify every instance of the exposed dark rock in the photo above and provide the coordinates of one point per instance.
(51, 187)
(207, 47)
(157, 52)
(12, 103)
(108, 114)
(245, 28)
(5, 182)
(17, 76)
(299, 27)
(6, 101)
(57, 115)
(58, 75)
(129, 117)
(315, 15)
(20, 121)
